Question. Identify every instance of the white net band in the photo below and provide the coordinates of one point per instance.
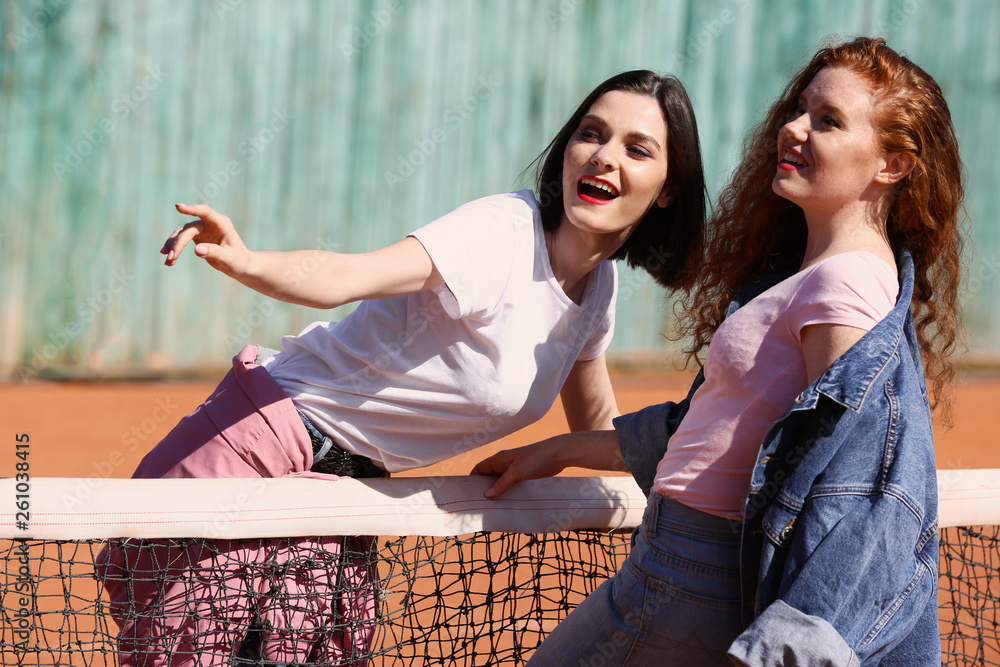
(89, 508)
(67, 508)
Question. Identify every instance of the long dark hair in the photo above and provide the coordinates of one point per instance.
(667, 242)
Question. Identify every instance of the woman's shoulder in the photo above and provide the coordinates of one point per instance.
(851, 275)
(485, 218)
(856, 267)
(499, 212)
(517, 202)
(855, 260)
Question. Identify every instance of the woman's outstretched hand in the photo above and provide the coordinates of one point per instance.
(215, 238)
(313, 277)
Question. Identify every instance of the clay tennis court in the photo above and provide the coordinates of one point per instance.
(102, 429)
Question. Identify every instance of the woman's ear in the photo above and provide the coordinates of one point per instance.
(666, 198)
(895, 167)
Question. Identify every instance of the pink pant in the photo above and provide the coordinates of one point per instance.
(191, 602)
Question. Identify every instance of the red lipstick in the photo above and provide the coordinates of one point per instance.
(797, 161)
(594, 190)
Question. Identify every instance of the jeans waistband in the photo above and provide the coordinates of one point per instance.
(665, 512)
(332, 459)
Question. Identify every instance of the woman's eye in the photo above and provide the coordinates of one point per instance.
(589, 134)
(830, 120)
(638, 151)
(795, 114)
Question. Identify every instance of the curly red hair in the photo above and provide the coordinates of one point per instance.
(754, 231)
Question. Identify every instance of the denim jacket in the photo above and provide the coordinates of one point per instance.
(840, 539)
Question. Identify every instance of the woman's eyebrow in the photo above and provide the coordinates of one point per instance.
(822, 104)
(634, 135)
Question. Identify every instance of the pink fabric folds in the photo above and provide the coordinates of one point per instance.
(248, 427)
(191, 602)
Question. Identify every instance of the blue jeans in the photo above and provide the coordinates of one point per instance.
(676, 600)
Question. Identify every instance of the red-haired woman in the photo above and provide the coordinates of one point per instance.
(792, 516)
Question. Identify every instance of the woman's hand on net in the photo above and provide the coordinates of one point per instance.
(529, 462)
(594, 450)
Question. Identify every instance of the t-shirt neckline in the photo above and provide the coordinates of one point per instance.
(550, 275)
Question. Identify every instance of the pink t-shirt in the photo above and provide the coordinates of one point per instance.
(753, 372)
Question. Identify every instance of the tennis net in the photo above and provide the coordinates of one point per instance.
(451, 579)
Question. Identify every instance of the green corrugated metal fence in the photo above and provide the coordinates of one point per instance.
(344, 124)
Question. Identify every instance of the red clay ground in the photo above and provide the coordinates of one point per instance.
(103, 429)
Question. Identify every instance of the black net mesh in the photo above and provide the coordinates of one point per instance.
(480, 599)
(970, 595)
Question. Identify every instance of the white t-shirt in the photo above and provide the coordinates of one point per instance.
(412, 380)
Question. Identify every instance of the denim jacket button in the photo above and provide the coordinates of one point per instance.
(786, 532)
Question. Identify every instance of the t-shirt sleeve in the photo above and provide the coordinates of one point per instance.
(850, 289)
(604, 316)
(473, 249)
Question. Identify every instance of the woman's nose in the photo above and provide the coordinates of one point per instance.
(603, 157)
(797, 127)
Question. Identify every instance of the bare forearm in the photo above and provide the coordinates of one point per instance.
(594, 450)
(303, 277)
(316, 278)
(588, 398)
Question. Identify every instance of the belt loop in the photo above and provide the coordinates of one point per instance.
(652, 514)
(327, 444)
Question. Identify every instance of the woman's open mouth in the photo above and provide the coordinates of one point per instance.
(791, 160)
(596, 190)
